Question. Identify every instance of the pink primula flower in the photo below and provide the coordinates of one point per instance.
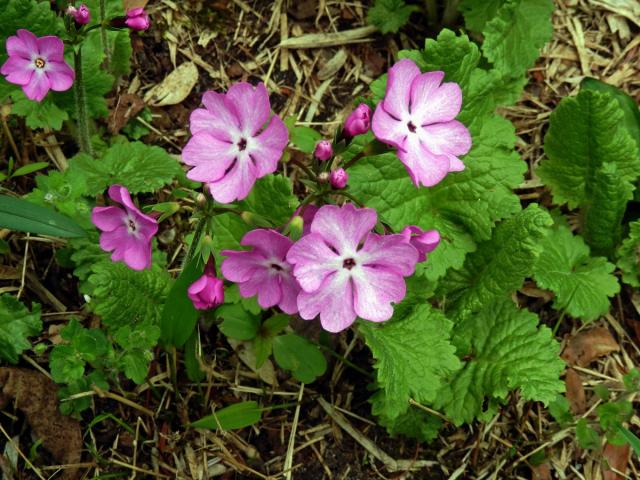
(207, 292)
(137, 19)
(264, 270)
(234, 141)
(345, 271)
(423, 241)
(126, 232)
(37, 64)
(417, 117)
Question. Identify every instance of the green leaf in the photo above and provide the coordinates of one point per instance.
(463, 207)
(263, 343)
(611, 416)
(584, 133)
(233, 417)
(271, 198)
(582, 284)
(414, 423)
(237, 322)
(626, 102)
(136, 166)
(65, 364)
(44, 114)
(35, 16)
(16, 325)
(629, 256)
(478, 12)
(24, 216)
(603, 212)
(136, 342)
(503, 349)
(499, 266)
(630, 438)
(560, 410)
(192, 355)
(514, 37)
(413, 356)
(303, 138)
(228, 229)
(587, 437)
(122, 296)
(29, 168)
(179, 316)
(389, 16)
(121, 52)
(299, 355)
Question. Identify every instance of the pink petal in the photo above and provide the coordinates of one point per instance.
(255, 283)
(401, 75)
(216, 118)
(446, 138)
(61, 76)
(389, 252)
(388, 129)
(439, 105)
(51, 48)
(268, 243)
(313, 261)
(203, 121)
(250, 104)
(236, 184)
(134, 12)
(38, 87)
(241, 266)
(424, 167)
(18, 70)
(198, 286)
(374, 290)
(137, 256)
(147, 226)
(117, 239)
(455, 164)
(24, 44)
(108, 219)
(333, 301)
(290, 290)
(270, 292)
(121, 195)
(343, 228)
(210, 157)
(270, 146)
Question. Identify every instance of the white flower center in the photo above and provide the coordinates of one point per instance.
(132, 226)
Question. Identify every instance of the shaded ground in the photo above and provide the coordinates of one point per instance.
(236, 40)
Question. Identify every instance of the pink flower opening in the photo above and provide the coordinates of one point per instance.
(264, 270)
(127, 232)
(81, 15)
(323, 150)
(423, 241)
(338, 178)
(137, 19)
(37, 65)
(207, 292)
(417, 117)
(345, 271)
(235, 141)
(358, 121)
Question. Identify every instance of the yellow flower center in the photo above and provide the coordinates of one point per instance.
(40, 63)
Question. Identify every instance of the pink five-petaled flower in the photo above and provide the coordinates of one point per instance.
(125, 232)
(423, 241)
(137, 19)
(359, 121)
(207, 292)
(231, 147)
(263, 270)
(417, 117)
(345, 271)
(37, 64)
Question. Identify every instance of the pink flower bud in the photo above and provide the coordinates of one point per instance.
(423, 241)
(137, 19)
(359, 121)
(81, 15)
(338, 178)
(323, 150)
(208, 291)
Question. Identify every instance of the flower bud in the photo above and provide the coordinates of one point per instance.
(359, 121)
(423, 241)
(323, 151)
(208, 291)
(338, 178)
(137, 19)
(323, 177)
(81, 15)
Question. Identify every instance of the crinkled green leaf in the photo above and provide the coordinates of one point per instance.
(582, 284)
(629, 256)
(413, 356)
(122, 296)
(584, 133)
(271, 198)
(237, 323)
(414, 423)
(17, 324)
(604, 209)
(299, 355)
(503, 349)
(136, 166)
(44, 114)
(499, 266)
(389, 16)
(514, 37)
(478, 12)
(136, 342)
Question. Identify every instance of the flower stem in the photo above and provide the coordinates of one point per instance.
(84, 136)
(197, 234)
(103, 36)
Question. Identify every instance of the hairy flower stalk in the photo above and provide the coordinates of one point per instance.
(103, 35)
(84, 135)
